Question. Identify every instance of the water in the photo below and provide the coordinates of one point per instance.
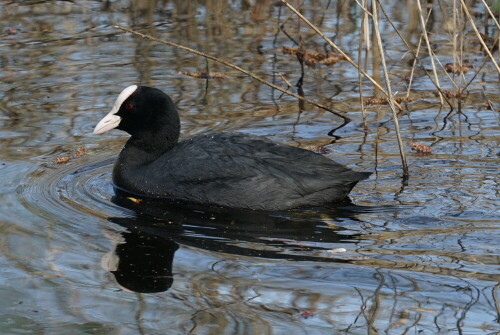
(420, 256)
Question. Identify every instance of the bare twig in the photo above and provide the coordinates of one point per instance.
(248, 73)
(334, 46)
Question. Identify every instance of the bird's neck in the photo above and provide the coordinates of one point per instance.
(144, 148)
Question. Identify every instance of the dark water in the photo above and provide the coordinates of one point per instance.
(420, 257)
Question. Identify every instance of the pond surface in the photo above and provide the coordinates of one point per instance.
(406, 256)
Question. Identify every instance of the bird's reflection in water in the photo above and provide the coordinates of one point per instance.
(142, 261)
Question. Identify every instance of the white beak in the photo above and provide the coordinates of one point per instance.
(112, 120)
(107, 123)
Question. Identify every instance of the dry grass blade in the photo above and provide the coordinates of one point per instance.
(204, 75)
(334, 46)
(237, 68)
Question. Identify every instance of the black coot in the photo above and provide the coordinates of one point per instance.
(226, 169)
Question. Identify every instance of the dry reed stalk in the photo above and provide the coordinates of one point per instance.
(443, 67)
(458, 52)
(334, 46)
(410, 49)
(288, 84)
(489, 103)
(427, 42)
(453, 34)
(248, 73)
(363, 37)
(475, 74)
(375, 53)
(389, 89)
(488, 9)
(415, 55)
(456, 59)
(473, 25)
(413, 67)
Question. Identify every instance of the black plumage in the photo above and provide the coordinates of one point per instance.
(227, 169)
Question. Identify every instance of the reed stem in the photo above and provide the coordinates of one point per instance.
(429, 49)
(389, 89)
(334, 46)
(223, 62)
(473, 25)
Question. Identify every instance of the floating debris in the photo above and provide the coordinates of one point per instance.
(385, 101)
(204, 75)
(420, 148)
(314, 57)
(457, 68)
(289, 50)
(66, 158)
(62, 159)
(11, 31)
(451, 94)
(404, 99)
(332, 58)
(319, 149)
(79, 152)
(375, 101)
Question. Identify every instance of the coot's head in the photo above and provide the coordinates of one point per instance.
(143, 112)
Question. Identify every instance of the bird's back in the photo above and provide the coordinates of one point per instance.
(241, 171)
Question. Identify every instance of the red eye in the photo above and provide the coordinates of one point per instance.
(129, 106)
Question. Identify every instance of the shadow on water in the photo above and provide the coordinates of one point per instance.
(142, 260)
